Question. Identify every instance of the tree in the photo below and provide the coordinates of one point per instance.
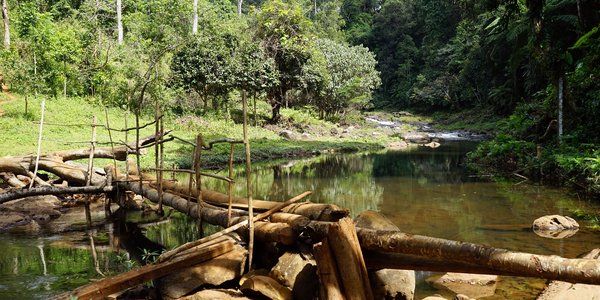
(284, 32)
(119, 24)
(6, 23)
(350, 77)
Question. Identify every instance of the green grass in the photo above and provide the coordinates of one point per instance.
(474, 120)
(20, 132)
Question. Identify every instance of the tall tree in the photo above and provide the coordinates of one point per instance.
(239, 7)
(195, 18)
(6, 23)
(119, 24)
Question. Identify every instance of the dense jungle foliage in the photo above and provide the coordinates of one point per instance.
(532, 63)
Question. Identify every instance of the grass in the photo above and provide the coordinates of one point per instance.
(474, 120)
(20, 132)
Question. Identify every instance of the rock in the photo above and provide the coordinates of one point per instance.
(11, 219)
(462, 297)
(298, 273)
(305, 136)
(432, 145)
(333, 131)
(434, 297)
(471, 285)
(398, 145)
(267, 287)
(214, 272)
(348, 129)
(393, 284)
(374, 220)
(417, 138)
(220, 294)
(287, 134)
(555, 223)
(40, 208)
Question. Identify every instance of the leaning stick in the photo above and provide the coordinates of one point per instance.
(167, 255)
(39, 145)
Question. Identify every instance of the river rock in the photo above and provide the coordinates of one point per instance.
(393, 284)
(555, 223)
(417, 138)
(297, 272)
(267, 287)
(434, 297)
(12, 219)
(220, 294)
(398, 145)
(432, 145)
(287, 134)
(214, 272)
(40, 208)
(471, 285)
(373, 220)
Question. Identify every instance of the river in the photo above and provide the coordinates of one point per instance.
(424, 191)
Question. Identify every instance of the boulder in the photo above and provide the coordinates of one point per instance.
(434, 297)
(417, 138)
(297, 272)
(470, 285)
(40, 208)
(374, 220)
(12, 219)
(393, 284)
(554, 223)
(287, 134)
(267, 287)
(398, 145)
(214, 272)
(216, 294)
(432, 145)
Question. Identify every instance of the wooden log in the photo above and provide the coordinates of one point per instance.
(54, 165)
(314, 211)
(557, 290)
(330, 287)
(103, 288)
(11, 180)
(350, 262)
(501, 260)
(54, 190)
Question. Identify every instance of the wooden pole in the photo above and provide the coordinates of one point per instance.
(248, 180)
(197, 167)
(90, 171)
(39, 145)
(230, 185)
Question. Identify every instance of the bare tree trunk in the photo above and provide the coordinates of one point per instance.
(119, 24)
(560, 108)
(195, 20)
(6, 23)
(240, 7)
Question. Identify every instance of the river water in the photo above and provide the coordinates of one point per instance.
(424, 191)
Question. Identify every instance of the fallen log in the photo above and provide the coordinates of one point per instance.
(330, 287)
(501, 260)
(54, 190)
(489, 260)
(557, 290)
(103, 288)
(314, 211)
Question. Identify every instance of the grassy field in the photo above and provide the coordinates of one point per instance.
(67, 125)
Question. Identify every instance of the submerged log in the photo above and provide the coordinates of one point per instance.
(107, 286)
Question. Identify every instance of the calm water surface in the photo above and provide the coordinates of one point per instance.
(424, 191)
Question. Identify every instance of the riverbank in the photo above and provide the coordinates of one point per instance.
(300, 134)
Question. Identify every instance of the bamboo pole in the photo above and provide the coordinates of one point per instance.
(90, 170)
(197, 167)
(39, 144)
(230, 185)
(248, 180)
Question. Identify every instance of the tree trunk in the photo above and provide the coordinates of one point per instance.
(195, 18)
(119, 24)
(239, 7)
(65, 79)
(6, 24)
(560, 108)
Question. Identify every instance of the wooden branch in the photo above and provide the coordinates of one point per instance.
(53, 190)
(103, 288)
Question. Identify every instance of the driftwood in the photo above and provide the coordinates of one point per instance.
(103, 288)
